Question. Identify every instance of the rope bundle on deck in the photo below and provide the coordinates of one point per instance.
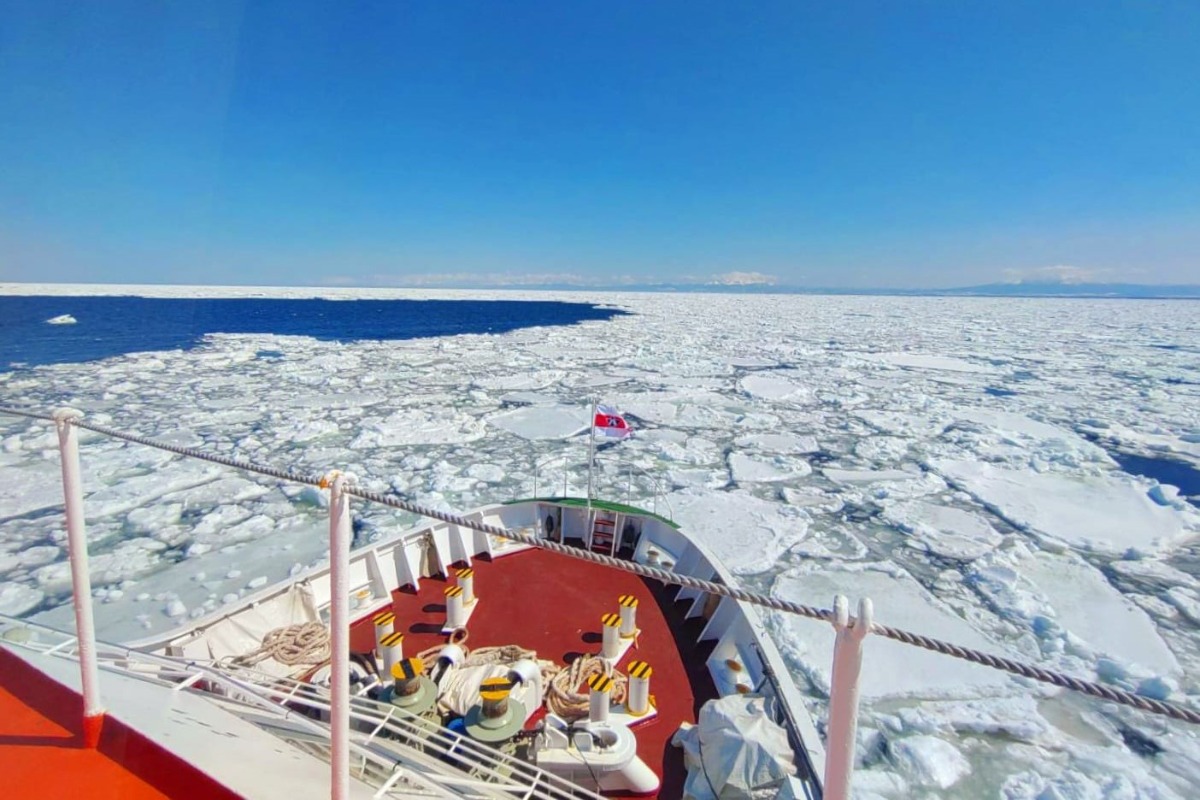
(306, 643)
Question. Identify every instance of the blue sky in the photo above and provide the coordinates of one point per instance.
(848, 144)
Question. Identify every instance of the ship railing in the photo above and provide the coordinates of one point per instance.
(388, 723)
(391, 746)
(625, 467)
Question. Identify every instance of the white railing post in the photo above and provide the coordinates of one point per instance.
(843, 697)
(81, 582)
(339, 636)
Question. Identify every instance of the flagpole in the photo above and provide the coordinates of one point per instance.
(591, 454)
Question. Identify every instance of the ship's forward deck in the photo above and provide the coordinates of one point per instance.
(553, 605)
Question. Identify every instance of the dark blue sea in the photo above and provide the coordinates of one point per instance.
(112, 326)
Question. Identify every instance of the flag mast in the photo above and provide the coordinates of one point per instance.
(591, 453)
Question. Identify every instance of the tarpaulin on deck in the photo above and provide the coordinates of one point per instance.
(735, 751)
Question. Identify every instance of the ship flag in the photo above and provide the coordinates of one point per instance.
(608, 424)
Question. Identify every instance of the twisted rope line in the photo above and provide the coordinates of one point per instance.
(1029, 671)
(1039, 674)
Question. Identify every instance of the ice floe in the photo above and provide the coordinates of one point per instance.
(890, 669)
(541, 422)
(1106, 513)
(1073, 609)
(746, 533)
(944, 530)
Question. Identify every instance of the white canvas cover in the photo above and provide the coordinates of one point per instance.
(243, 632)
(460, 689)
(735, 751)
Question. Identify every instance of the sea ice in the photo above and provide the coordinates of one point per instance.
(944, 530)
(1060, 597)
(542, 422)
(419, 426)
(929, 761)
(748, 469)
(932, 362)
(890, 669)
(786, 443)
(1107, 513)
(17, 599)
(746, 533)
(868, 475)
(771, 388)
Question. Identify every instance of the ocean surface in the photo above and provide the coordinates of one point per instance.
(112, 326)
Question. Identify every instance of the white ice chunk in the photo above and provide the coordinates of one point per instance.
(746, 533)
(16, 598)
(771, 388)
(779, 443)
(423, 425)
(868, 475)
(934, 362)
(40, 487)
(889, 668)
(947, 531)
(37, 556)
(748, 469)
(929, 761)
(1089, 616)
(542, 422)
(1107, 513)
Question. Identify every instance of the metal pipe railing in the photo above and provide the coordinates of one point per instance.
(246, 687)
(339, 624)
(81, 584)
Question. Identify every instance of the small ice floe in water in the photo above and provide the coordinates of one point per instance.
(62, 319)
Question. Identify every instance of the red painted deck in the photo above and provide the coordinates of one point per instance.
(41, 753)
(545, 602)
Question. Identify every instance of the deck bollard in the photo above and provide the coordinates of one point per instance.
(455, 618)
(628, 610)
(385, 625)
(466, 579)
(638, 703)
(81, 584)
(610, 644)
(843, 696)
(391, 651)
(598, 699)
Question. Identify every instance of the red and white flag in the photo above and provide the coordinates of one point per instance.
(609, 424)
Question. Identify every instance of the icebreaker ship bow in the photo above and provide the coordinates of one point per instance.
(549, 647)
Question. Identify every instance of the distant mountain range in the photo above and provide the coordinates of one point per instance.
(1024, 289)
(1075, 290)
(1049, 289)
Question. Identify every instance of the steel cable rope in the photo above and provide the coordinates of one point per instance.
(1091, 688)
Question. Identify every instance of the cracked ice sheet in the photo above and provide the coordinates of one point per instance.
(1107, 513)
(930, 362)
(748, 534)
(1072, 607)
(890, 669)
(945, 530)
(542, 422)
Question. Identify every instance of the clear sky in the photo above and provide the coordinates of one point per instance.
(840, 144)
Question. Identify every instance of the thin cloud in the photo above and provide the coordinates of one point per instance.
(744, 279)
(1059, 273)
